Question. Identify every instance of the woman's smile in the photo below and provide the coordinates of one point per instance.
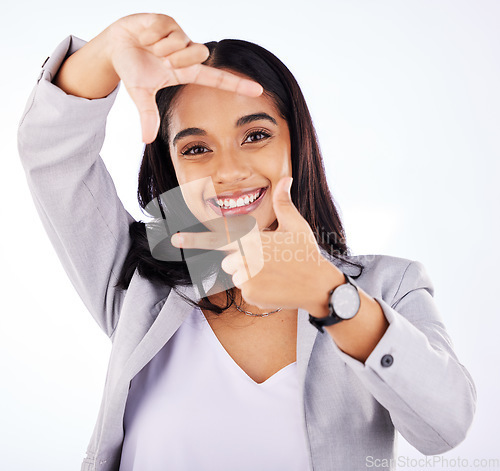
(237, 203)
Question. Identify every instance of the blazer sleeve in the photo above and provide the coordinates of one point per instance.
(413, 371)
(59, 140)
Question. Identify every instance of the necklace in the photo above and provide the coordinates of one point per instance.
(248, 313)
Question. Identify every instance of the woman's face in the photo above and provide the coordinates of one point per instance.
(236, 147)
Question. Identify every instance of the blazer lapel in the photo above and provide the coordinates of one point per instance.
(306, 332)
(169, 319)
(306, 336)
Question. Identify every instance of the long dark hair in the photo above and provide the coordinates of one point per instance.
(309, 192)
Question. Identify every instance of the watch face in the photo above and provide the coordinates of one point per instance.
(345, 300)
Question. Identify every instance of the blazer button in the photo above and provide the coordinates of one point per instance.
(387, 360)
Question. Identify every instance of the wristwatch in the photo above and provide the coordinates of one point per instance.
(343, 303)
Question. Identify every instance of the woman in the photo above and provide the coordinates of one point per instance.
(289, 353)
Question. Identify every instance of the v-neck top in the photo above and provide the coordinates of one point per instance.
(192, 408)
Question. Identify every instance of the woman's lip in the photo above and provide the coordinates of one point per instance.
(239, 209)
(239, 194)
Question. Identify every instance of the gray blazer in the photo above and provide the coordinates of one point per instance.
(412, 382)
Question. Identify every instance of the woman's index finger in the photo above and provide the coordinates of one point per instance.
(203, 240)
(217, 78)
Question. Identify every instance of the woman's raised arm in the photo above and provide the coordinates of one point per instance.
(62, 131)
(59, 140)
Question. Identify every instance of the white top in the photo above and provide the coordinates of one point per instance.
(192, 408)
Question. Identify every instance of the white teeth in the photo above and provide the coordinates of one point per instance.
(229, 203)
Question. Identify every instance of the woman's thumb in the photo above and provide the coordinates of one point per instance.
(286, 212)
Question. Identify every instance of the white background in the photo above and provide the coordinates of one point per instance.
(406, 102)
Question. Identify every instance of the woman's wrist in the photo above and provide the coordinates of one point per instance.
(326, 277)
(89, 72)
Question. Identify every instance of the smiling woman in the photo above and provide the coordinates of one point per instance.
(314, 360)
(246, 145)
(243, 144)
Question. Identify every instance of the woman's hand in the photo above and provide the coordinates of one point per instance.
(281, 268)
(147, 52)
(150, 52)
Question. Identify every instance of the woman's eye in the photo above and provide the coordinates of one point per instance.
(257, 136)
(195, 150)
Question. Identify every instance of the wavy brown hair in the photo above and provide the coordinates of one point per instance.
(309, 191)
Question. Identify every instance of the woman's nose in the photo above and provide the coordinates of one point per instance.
(230, 167)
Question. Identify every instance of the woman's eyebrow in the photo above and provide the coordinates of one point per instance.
(241, 122)
(254, 117)
(188, 132)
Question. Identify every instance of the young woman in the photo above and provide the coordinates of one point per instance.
(291, 354)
